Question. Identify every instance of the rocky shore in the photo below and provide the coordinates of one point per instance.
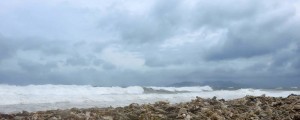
(246, 108)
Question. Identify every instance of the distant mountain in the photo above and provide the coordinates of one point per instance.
(213, 84)
(224, 85)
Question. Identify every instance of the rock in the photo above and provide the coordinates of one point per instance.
(87, 115)
(214, 98)
(6, 116)
(170, 108)
(53, 118)
(134, 105)
(64, 114)
(297, 107)
(296, 117)
(292, 95)
(216, 117)
(159, 110)
(249, 107)
(107, 117)
(162, 102)
(276, 104)
(188, 117)
(182, 111)
(25, 113)
(35, 116)
(18, 118)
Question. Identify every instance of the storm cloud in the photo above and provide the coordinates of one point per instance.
(149, 42)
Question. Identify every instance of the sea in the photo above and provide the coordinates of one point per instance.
(33, 98)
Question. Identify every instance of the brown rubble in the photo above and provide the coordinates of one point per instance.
(246, 108)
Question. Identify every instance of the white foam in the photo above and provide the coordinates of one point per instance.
(46, 97)
(59, 93)
(182, 89)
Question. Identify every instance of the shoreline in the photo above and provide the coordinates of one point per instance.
(248, 107)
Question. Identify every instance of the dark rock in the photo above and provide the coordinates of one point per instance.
(6, 116)
(249, 107)
(296, 117)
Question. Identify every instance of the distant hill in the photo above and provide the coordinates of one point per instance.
(213, 84)
(224, 85)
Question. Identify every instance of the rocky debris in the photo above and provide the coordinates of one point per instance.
(246, 108)
(297, 107)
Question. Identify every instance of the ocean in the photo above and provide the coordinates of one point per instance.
(51, 97)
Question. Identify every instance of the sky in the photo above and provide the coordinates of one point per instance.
(149, 42)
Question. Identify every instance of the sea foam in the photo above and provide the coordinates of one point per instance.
(46, 97)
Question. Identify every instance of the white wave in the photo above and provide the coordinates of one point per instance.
(184, 89)
(58, 93)
(46, 97)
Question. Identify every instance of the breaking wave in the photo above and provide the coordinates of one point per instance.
(185, 89)
(46, 97)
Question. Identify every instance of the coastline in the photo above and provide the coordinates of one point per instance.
(248, 107)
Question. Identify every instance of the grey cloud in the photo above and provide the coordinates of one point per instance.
(33, 67)
(103, 64)
(254, 47)
(288, 58)
(77, 61)
(254, 28)
(296, 62)
(168, 18)
(254, 37)
(108, 66)
(220, 13)
(48, 47)
(138, 30)
(6, 48)
(156, 25)
(9, 46)
(164, 58)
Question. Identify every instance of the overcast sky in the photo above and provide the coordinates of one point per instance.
(149, 42)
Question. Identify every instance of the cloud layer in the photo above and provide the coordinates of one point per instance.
(149, 42)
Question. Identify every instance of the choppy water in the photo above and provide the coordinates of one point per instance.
(47, 97)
